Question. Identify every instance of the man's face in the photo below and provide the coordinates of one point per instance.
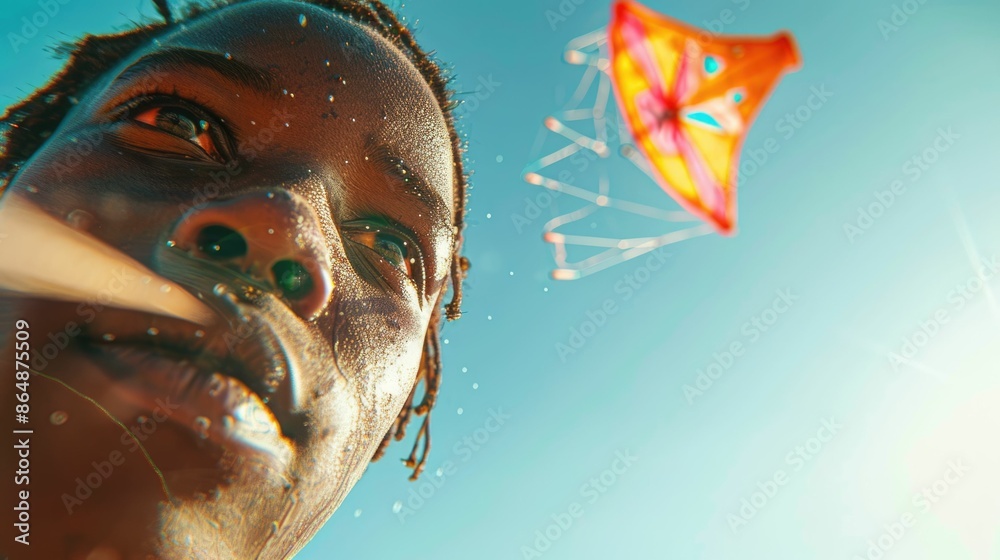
(294, 171)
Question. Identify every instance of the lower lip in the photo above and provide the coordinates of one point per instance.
(217, 408)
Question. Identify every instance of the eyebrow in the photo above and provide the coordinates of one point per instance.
(413, 184)
(233, 70)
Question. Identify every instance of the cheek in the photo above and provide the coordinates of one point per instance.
(378, 344)
(98, 191)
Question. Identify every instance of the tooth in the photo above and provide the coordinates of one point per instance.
(215, 384)
(201, 426)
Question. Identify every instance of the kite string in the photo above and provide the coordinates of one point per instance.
(149, 459)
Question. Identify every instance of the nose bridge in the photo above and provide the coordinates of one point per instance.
(272, 236)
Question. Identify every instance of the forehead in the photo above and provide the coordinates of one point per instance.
(311, 55)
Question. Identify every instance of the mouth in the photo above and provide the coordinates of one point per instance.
(230, 384)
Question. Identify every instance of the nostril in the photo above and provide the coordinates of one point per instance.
(269, 237)
(293, 279)
(221, 243)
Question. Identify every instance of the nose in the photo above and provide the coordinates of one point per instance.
(272, 237)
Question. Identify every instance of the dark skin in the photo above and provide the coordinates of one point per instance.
(314, 364)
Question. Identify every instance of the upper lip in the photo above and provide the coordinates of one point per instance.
(241, 345)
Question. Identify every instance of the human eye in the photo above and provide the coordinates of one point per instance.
(392, 248)
(173, 127)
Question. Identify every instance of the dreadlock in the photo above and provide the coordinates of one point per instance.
(30, 123)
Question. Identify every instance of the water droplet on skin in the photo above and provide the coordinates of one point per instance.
(270, 231)
(228, 422)
(228, 56)
(475, 385)
(357, 513)
(58, 418)
(270, 195)
(146, 279)
(274, 527)
(199, 333)
(330, 98)
(152, 331)
(201, 425)
(171, 243)
(327, 63)
(284, 92)
(397, 507)
(142, 420)
(219, 289)
(80, 219)
(302, 20)
(165, 288)
(108, 337)
(253, 123)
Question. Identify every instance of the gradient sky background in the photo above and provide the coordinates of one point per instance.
(902, 428)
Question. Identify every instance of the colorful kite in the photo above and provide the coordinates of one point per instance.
(688, 100)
